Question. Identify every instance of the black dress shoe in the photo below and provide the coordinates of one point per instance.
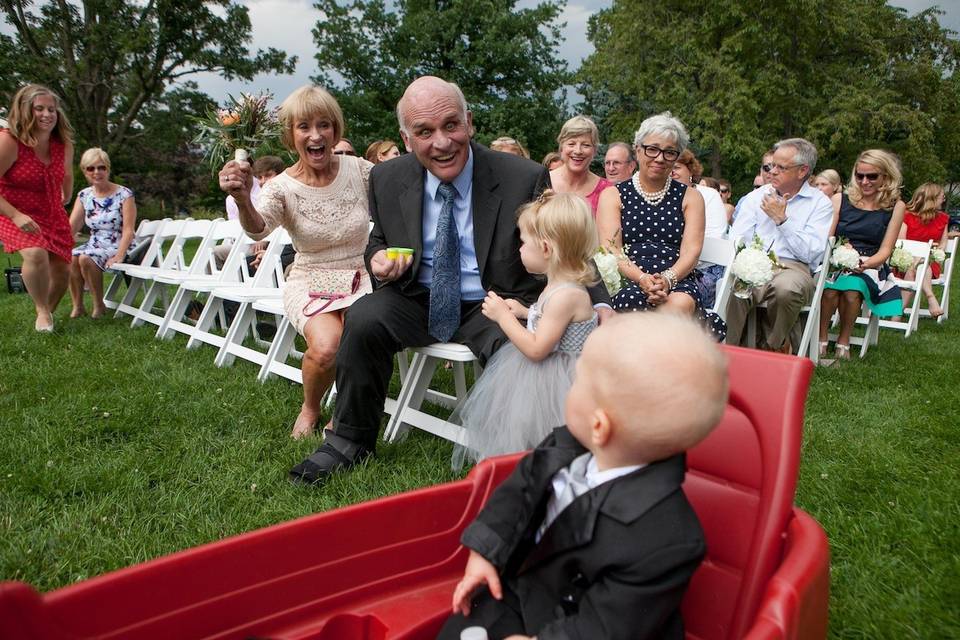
(323, 463)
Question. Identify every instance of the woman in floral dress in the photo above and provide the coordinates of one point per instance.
(109, 211)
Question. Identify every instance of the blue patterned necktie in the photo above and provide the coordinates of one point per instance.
(445, 286)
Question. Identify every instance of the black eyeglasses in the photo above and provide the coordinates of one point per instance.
(724, 190)
(344, 153)
(872, 177)
(652, 151)
(99, 167)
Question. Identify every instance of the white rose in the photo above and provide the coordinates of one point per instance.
(753, 266)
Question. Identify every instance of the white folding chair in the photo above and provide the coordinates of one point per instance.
(266, 283)
(944, 280)
(415, 389)
(194, 230)
(149, 232)
(164, 253)
(720, 251)
(911, 315)
(234, 271)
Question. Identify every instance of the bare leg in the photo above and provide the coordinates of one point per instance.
(94, 278)
(933, 305)
(36, 276)
(850, 305)
(76, 289)
(322, 333)
(828, 305)
(59, 280)
(679, 303)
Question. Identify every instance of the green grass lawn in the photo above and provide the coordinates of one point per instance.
(117, 448)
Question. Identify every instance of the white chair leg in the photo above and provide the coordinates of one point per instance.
(175, 311)
(245, 317)
(279, 349)
(205, 322)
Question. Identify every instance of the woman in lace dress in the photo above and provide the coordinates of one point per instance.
(321, 201)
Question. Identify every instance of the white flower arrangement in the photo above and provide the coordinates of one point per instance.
(607, 264)
(844, 257)
(753, 266)
(901, 259)
(938, 255)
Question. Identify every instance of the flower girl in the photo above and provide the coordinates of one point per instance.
(520, 396)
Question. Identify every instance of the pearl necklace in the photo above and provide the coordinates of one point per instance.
(655, 198)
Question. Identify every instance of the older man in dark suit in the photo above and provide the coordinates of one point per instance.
(454, 203)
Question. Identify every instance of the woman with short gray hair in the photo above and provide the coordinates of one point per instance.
(657, 225)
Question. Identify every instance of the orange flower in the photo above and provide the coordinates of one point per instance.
(227, 119)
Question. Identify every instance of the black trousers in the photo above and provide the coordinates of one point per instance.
(376, 328)
(501, 618)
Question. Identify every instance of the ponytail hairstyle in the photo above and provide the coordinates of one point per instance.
(925, 202)
(564, 222)
(23, 122)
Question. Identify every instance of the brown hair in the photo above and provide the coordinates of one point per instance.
(925, 202)
(377, 148)
(22, 122)
(690, 162)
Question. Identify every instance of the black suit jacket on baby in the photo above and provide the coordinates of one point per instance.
(614, 564)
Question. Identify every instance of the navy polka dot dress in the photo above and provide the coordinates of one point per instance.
(653, 235)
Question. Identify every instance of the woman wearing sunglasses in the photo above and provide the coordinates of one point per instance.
(109, 211)
(868, 218)
(659, 223)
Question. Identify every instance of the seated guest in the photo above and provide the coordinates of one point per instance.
(661, 220)
(925, 221)
(110, 212)
(578, 141)
(507, 144)
(382, 150)
(344, 148)
(552, 160)
(609, 480)
(454, 202)
(829, 182)
(792, 218)
(619, 162)
(322, 203)
(868, 217)
(725, 194)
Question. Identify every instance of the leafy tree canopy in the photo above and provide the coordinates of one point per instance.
(846, 74)
(505, 59)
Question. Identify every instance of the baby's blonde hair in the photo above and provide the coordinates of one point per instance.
(564, 222)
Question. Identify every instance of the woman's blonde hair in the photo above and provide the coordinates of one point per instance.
(509, 145)
(888, 193)
(309, 101)
(579, 126)
(925, 202)
(23, 123)
(564, 222)
(833, 178)
(92, 156)
(377, 148)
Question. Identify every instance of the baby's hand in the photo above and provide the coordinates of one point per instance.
(495, 307)
(516, 308)
(479, 571)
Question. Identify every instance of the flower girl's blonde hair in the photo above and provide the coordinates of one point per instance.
(564, 222)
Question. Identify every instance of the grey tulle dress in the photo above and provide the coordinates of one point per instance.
(516, 402)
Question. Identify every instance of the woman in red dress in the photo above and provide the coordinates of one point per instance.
(36, 180)
(925, 221)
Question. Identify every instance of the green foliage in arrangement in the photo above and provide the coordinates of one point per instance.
(118, 448)
(847, 74)
(505, 59)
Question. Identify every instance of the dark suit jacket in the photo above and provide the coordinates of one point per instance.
(614, 564)
(502, 183)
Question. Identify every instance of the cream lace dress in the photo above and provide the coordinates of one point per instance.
(329, 227)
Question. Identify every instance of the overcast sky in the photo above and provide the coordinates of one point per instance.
(286, 24)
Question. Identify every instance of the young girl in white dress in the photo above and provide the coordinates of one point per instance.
(520, 396)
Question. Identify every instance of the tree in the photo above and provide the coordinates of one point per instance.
(846, 74)
(112, 60)
(505, 60)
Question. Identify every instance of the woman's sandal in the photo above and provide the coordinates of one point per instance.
(842, 351)
(823, 349)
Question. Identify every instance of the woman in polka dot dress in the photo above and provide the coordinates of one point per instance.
(36, 156)
(660, 223)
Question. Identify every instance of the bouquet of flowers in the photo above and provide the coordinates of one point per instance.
(938, 255)
(753, 266)
(842, 258)
(901, 259)
(608, 259)
(246, 124)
